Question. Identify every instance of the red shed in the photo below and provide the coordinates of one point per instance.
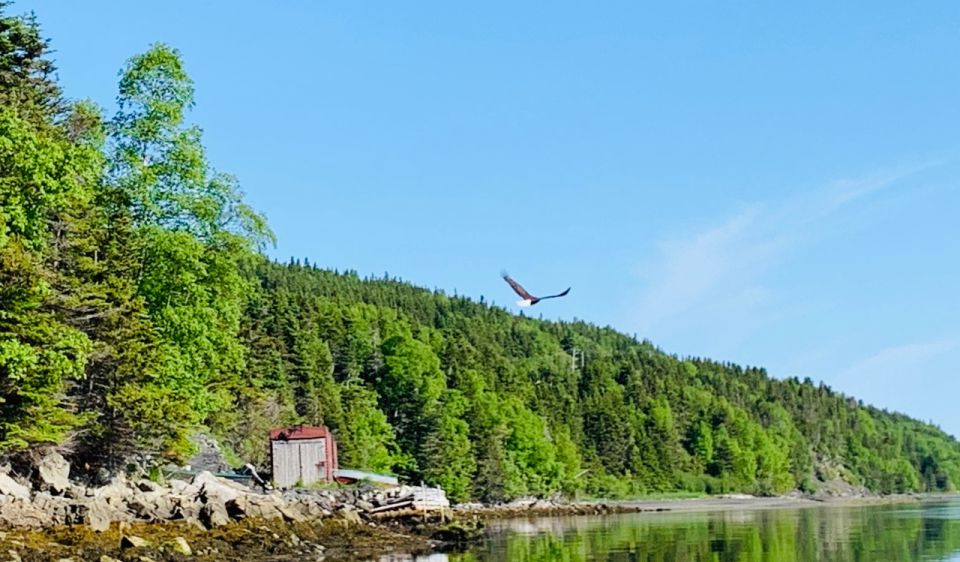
(302, 454)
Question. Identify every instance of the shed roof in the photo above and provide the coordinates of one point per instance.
(299, 432)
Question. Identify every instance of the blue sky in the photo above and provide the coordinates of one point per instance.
(766, 184)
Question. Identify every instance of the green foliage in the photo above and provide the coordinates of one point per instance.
(42, 175)
(447, 452)
(366, 439)
(631, 421)
(194, 235)
(136, 308)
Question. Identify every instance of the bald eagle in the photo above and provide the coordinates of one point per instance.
(528, 299)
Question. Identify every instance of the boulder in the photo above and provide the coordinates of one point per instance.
(12, 488)
(98, 513)
(133, 541)
(116, 492)
(365, 505)
(349, 517)
(162, 505)
(22, 513)
(53, 473)
(220, 489)
(98, 517)
(60, 509)
(76, 491)
(152, 507)
(214, 514)
(292, 512)
(182, 487)
(258, 506)
(181, 546)
(187, 511)
(521, 503)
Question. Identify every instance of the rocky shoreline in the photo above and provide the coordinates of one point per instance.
(46, 516)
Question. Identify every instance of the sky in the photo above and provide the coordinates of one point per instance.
(764, 183)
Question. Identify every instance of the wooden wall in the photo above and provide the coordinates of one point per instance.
(301, 460)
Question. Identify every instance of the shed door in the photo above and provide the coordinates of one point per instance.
(312, 457)
(286, 463)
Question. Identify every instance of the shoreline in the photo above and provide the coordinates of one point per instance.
(733, 502)
(344, 535)
(725, 502)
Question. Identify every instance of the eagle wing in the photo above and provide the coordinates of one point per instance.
(563, 294)
(517, 287)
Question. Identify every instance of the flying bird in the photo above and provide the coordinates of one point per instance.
(528, 299)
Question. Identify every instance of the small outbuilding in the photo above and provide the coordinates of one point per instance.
(302, 455)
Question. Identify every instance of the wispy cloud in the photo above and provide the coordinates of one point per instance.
(712, 264)
(897, 362)
(902, 378)
(836, 195)
(719, 272)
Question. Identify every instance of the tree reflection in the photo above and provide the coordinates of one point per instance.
(838, 534)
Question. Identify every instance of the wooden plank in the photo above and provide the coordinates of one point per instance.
(392, 506)
(286, 463)
(310, 454)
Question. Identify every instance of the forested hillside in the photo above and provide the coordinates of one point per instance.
(136, 309)
(490, 404)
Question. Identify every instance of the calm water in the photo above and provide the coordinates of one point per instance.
(927, 531)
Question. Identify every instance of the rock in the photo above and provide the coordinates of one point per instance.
(105, 558)
(521, 503)
(365, 505)
(14, 556)
(214, 514)
(22, 513)
(474, 506)
(53, 473)
(181, 545)
(458, 532)
(76, 492)
(255, 505)
(187, 511)
(183, 488)
(98, 515)
(349, 516)
(102, 477)
(10, 487)
(115, 492)
(133, 541)
(292, 512)
(154, 506)
(60, 509)
(212, 487)
(148, 486)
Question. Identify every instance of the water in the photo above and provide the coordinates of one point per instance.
(929, 531)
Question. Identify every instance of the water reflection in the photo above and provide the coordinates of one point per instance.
(837, 534)
(438, 557)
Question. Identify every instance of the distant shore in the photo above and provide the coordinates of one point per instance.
(726, 502)
(736, 501)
